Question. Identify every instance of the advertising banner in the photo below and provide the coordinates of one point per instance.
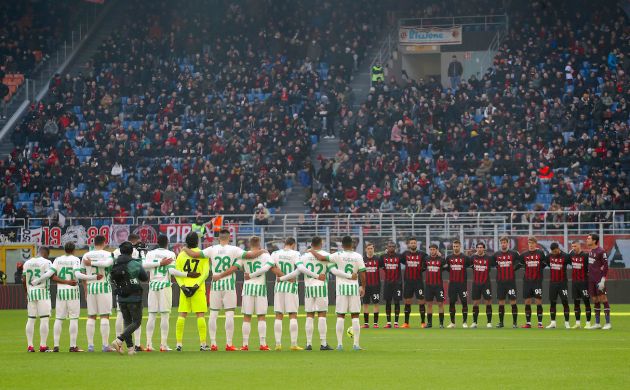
(430, 36)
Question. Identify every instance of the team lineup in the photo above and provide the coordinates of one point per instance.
(408, 275)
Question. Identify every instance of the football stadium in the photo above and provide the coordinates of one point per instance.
(312, 193)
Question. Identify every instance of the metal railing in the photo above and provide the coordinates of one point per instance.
(377, 226)
(486, 21)
(488, 59)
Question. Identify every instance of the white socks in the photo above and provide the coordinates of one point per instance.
(57, 332)
(212, 326)
(30, 330)
(105, 331)
(293, 330)
(356, 329)
(229, 326)
(309, 330)
(120, 322)
(277, 331)
(322, 327)
(164, 326)
(339, 330)
(137, 336)
(90, 328)
(74, 332)
(150, 329)
(43, 331)
(262, 331)
(247, 328)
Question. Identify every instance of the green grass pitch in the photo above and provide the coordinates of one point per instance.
(394, 358)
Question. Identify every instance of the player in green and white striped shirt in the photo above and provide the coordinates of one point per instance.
(95, 268)
(254, 293)
(38, 296)
(348, 290)
(285, 299)
(223, 287)
(160, 267)
(316, 292)
(68, 304)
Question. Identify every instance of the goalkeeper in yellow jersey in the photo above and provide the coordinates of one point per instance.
(192, 292)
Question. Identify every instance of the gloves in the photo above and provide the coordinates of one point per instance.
(189, 291)
(601, 284)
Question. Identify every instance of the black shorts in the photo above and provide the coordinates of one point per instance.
(432, 292)
(558, 290)
(579, 290)
(372, 295)
(532, 289)
(413, 288)
(392, 292)
(457, 291)
(506, 289)
(479, 290)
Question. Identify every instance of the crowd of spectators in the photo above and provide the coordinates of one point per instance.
(29, 32)
(185, 111)
(189, 110)
(545, 129)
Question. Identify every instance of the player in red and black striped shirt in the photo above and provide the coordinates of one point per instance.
(434, 287)
(579, 285)
(481, 264)
(413, 280)
(507, 261)
(534, 260)
(391, 263)
(373, 285)
(558, 262)
(456, 264)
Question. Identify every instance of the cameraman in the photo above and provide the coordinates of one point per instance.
(126, 275)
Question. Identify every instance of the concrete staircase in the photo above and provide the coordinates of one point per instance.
(328, 147)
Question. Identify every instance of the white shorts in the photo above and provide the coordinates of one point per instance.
(312, 305)
(161, 301)
(99, 304)
(39, 308)
(348, 304)
(69, 309)
(254, 305)
(285, 302)
(223, 299)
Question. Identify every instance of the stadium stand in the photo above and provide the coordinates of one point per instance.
(546, 128)
(248, 103)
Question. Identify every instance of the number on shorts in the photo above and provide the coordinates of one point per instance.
(487, 291)
(442, 294)
(538, 291)
(511, 291)
(187, 266)
(465, 294)
(585, 293)
(376, 297)
(565, 292)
